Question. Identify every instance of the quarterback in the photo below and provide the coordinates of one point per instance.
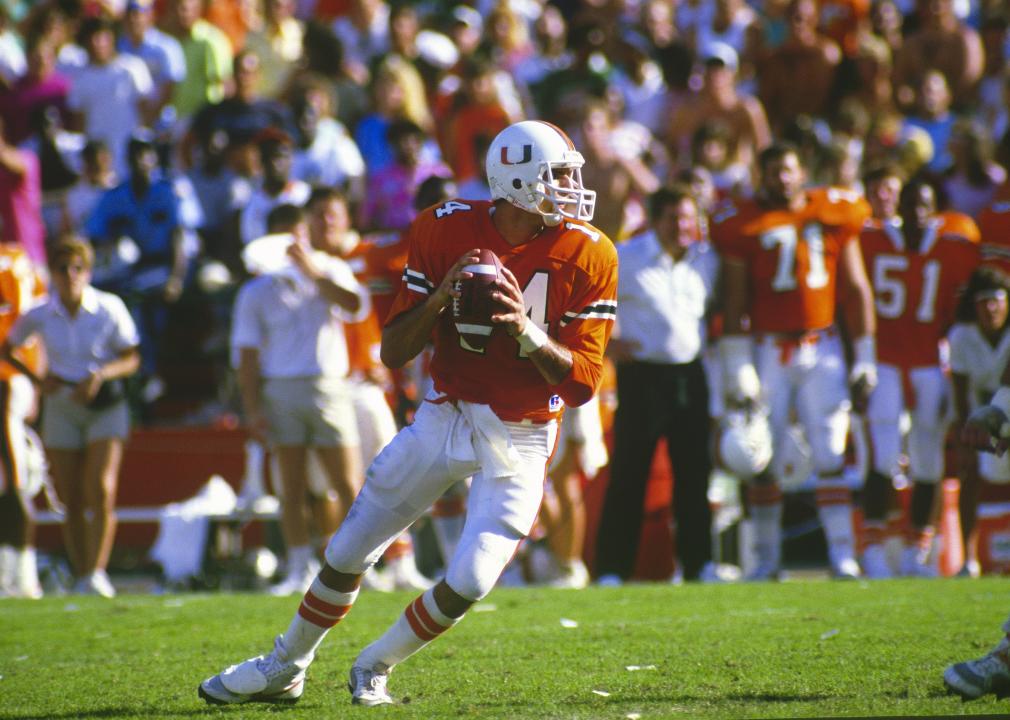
(783, 255)
(493, 413)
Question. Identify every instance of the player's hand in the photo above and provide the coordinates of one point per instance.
(446, 289)
(510, 295)
(987, 430)
(86, 389)
(860, 389)
(302, 258)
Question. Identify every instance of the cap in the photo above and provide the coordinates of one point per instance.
(468, 16)
(720, 52)
(140, 5)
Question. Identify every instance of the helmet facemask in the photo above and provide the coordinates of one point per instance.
(571, 200)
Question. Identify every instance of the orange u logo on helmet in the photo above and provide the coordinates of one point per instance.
(527, 155)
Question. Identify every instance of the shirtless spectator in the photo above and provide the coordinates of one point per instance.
(718, 101)
(942, 43)
(797, 78)
(617, 176)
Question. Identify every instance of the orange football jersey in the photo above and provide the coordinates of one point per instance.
(916, 291)
(994, 227)
(569, 278)
(20, 289)
(791, 256)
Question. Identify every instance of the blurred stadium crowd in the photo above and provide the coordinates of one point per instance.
(251, 105)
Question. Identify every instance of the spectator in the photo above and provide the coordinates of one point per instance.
(59, 155)
(21, 201)
(507, 41)
(12, 56)
(734, 23)
(387, 200)
(719, 101)
(208, 58)
(476, 111)
(560, 95)
(797, 77)
(666, 284)
(161, 52)
(979, 352)
(276, 188)
(96, 178)
(278, 45)
(932, 114)
(993, 98)
(40, 87)
(942, 44)
(364, 30)
(971, 181)
(90, 344)
(551, 53)
(288, 338)
(142, 214)
(711, 150)
(111, 93)
(326, 154)
(20, 289)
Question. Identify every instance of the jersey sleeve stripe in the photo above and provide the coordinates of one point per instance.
(601, 309)
(417, 281)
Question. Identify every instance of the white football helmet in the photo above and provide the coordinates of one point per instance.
(745, 444)
(521, 165)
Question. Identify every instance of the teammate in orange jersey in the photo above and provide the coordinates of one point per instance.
(783, 255)
(994, 228)
(917, 261)
(492, 414)
(20, 288)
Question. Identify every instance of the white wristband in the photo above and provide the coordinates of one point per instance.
(531, 338)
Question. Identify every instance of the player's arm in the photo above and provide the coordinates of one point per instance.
(249, 385)
(736, 348)
(407, 334)
(860, 319)
(348, 299)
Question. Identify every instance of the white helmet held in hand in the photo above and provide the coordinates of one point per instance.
(745, 445)
(522, 164)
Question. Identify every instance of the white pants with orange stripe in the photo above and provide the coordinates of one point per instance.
(808, 378)
(925, 393)
(423, 461)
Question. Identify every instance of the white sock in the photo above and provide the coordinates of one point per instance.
(836, 520)
(420, 623)
(8, 567)
(27, 574)
(767, 522)
(322, 607)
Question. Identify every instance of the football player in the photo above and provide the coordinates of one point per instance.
(917, 261)
(787, 254)
(492, 413)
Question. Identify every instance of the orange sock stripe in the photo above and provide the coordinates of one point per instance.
(448, 507)
(325, 608)
(416, 625)
(315, 618)
(425, 617)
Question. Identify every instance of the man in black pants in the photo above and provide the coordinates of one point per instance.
(666, 280)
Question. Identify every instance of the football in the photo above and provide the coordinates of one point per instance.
(472, 310)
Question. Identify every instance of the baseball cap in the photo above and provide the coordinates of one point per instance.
(720, 52)
(468, 16)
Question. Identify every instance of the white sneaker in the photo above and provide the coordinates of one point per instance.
(297, 583)
(368, 687)
(715, 573)
(270, 679)
(574, 576)
(99, 584)
(988, 674)
(875, 565)
(377, 580)
(405, 576)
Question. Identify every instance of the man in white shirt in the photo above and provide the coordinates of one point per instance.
(288, 336)
(666, 278)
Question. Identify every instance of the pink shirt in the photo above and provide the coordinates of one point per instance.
(21, 209)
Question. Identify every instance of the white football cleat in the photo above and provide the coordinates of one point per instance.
(97, 583)
(573, 576)
(843, 565)
(988, 674)
(270, 679)
(875, 565)
(368, 687)
(405, 575)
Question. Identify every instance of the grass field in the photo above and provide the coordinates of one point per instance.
(795, 649)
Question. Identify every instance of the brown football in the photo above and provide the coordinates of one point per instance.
(472, 310)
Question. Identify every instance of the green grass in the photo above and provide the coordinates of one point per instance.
(796, 649)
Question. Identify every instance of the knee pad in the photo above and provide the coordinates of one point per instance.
(480, 559)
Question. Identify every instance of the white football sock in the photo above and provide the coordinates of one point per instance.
(420, 623)
(321, 609)
(767, 523)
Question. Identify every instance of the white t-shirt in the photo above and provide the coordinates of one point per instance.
(109, 97)
(297, 331)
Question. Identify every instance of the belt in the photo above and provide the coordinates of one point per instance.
(789, 343)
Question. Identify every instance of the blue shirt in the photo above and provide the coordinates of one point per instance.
(149, 221)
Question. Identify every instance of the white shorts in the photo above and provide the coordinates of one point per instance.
(311, 411)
